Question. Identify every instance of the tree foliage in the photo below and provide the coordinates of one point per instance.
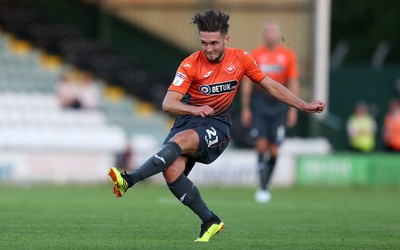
(365, 24)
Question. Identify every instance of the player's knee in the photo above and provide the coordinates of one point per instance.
(174, 171)
(262, 148)
(186, 139)
(273, 151)
(262, 145)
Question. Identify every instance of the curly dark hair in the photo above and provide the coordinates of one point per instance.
(212, 21)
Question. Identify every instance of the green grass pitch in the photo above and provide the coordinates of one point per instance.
(149, 217)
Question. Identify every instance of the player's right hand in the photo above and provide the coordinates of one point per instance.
(246, 117)
(203, 111)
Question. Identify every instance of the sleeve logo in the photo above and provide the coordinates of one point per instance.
(179, 78)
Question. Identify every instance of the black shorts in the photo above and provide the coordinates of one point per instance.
(270, 122)
(214, 137)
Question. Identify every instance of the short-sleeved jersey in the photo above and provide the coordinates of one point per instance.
(279, 64)
(214, 84)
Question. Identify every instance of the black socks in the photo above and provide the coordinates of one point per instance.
(157, 163)
(263, 171)
(182, 188)
(271, 166)
(265, 168)
(189, 195)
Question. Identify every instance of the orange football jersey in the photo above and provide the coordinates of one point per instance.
(279, 64)
(214, 84)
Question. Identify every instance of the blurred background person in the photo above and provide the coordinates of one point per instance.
(361, 129)
(124, 158)
(391, 129)
(268, 117)
(78, 92)
(67, 93)
(88, 93)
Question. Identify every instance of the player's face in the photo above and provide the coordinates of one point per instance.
(272, 34)
(213, 45)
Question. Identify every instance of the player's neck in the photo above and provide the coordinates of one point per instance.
(271, 46)
(221, 58)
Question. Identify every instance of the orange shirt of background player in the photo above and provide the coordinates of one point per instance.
(279, 64)
(392, 130)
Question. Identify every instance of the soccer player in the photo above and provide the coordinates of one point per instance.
(266, 115)
(201, 97)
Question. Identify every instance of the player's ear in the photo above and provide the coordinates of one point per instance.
(226, 39)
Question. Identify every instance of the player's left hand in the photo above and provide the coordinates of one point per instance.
(315, 107)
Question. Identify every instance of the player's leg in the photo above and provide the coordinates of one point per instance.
(185, 190)
(184, 142)
(262, 194)
(214, 140)
(155, 164)
(259, 132)
(276, 136)
(273, 153)
(261, 146)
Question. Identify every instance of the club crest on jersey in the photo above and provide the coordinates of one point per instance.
(218, 88)
(179, 78)
(231, 68)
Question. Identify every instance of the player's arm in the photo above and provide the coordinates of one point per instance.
(173, 104)
(284, 95)
(293, 86)
(246, 90)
